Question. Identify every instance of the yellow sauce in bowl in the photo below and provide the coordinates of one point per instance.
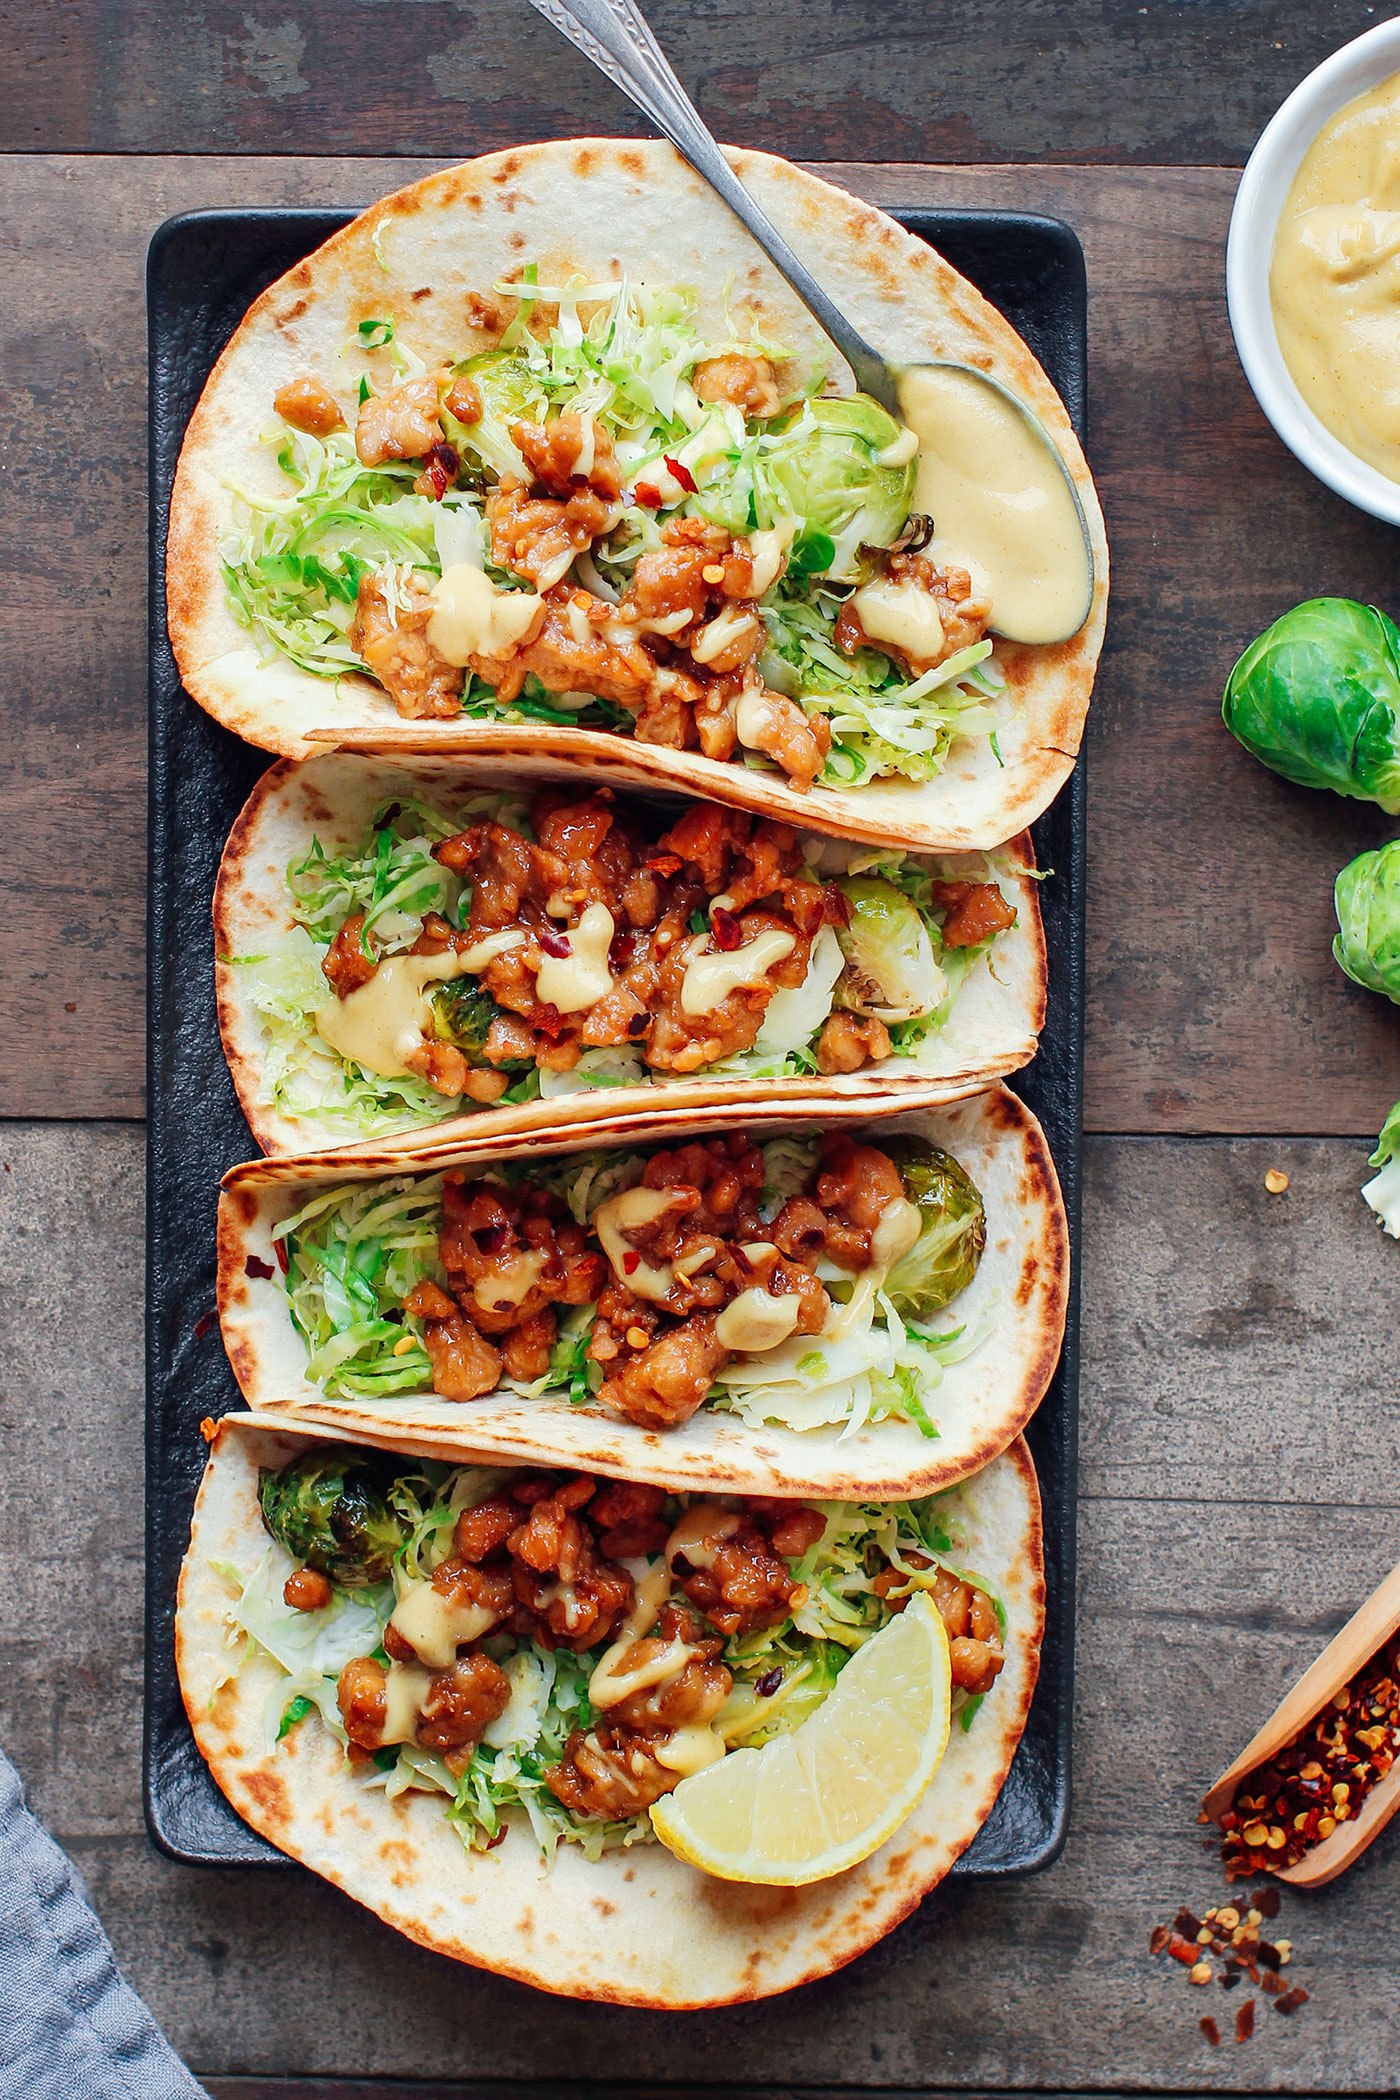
(1334, 281)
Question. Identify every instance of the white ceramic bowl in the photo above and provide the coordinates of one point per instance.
(1263, 190)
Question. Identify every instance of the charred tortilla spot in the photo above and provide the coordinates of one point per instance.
(269, 1792)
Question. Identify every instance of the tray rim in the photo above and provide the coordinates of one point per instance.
(1061, 1605)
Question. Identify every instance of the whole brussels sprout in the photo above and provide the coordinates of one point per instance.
(1317, 698)
(827, 473)
(952, 1229)
(890, 969)
(1367, 901)
(510, 393)
(331, 1510)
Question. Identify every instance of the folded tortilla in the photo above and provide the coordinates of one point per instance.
(1016, 1300)
(597, 208)
(637, 1927)
(996, 1018)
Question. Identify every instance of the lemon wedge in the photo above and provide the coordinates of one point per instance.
(810, 1804)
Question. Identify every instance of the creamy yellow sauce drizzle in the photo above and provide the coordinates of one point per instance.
(902, 614)
(581, 978)
(1000, 503)
(690, 1749)
(404, 1693)
(699, 1533)
(435, 1627)
(381, 1023)
(1334, 281)
(629, 1212)
(653, 1587)
(614, 1679)
(471, 617)
(894, 1235)
(709, 979)
(512, 1284)
(755, 1321)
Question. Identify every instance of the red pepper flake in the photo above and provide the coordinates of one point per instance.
(665, 865)
(682, 474)
(1271, 1984)
(1266, 1902)
(1320, 1779)
(648, 495)
(1160, 1940)
(1244, 2021)
(257, 1268)
(208, 1429)
(1291, 2000)
(440, 469)
(1210, 2031)
(1187, 1923)
(490, 1238)
(499, 1839)
(554, 943)
(725, 927)
(203, 1324)
(631, 1262)
(1185, 1951)
(279, 1248)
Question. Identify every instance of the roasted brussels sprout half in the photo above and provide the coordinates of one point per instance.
(510, 393)
(890, 969)
(829, 473)
(463, 1011)
(1367, 900)
(952, 1229)
(331, 1510)
(1317, 698)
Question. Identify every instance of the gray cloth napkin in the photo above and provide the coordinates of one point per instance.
(70, 2029)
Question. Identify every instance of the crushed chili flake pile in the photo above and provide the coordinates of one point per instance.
(1227, 1947)
(1322, 1777)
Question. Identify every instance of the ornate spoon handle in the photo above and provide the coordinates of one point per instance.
(614, 34)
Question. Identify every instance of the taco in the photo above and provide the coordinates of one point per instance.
(400, 944)
(539, 455)
(393, 1678)
(782, 1310)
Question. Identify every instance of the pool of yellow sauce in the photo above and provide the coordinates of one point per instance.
(1002, 504)
(1334, 280)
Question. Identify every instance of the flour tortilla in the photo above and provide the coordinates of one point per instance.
(993, 1029)
(1019, 1294)
(599, 208)
(635, 1928)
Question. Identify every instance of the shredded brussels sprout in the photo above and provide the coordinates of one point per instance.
(390, 877)
(626, 355)
(549, 1688)
(354, 1253)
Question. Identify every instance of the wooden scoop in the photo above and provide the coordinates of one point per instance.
(1364, 1634)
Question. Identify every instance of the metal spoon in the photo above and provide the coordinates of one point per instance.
(615, 35)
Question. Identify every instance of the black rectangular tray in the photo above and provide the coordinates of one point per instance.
(204, 270)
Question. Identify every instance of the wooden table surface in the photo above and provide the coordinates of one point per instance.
(1241, 1424)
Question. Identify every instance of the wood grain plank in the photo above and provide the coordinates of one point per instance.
(1101, 80)
(1206, 1581)
(1214, 1005)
